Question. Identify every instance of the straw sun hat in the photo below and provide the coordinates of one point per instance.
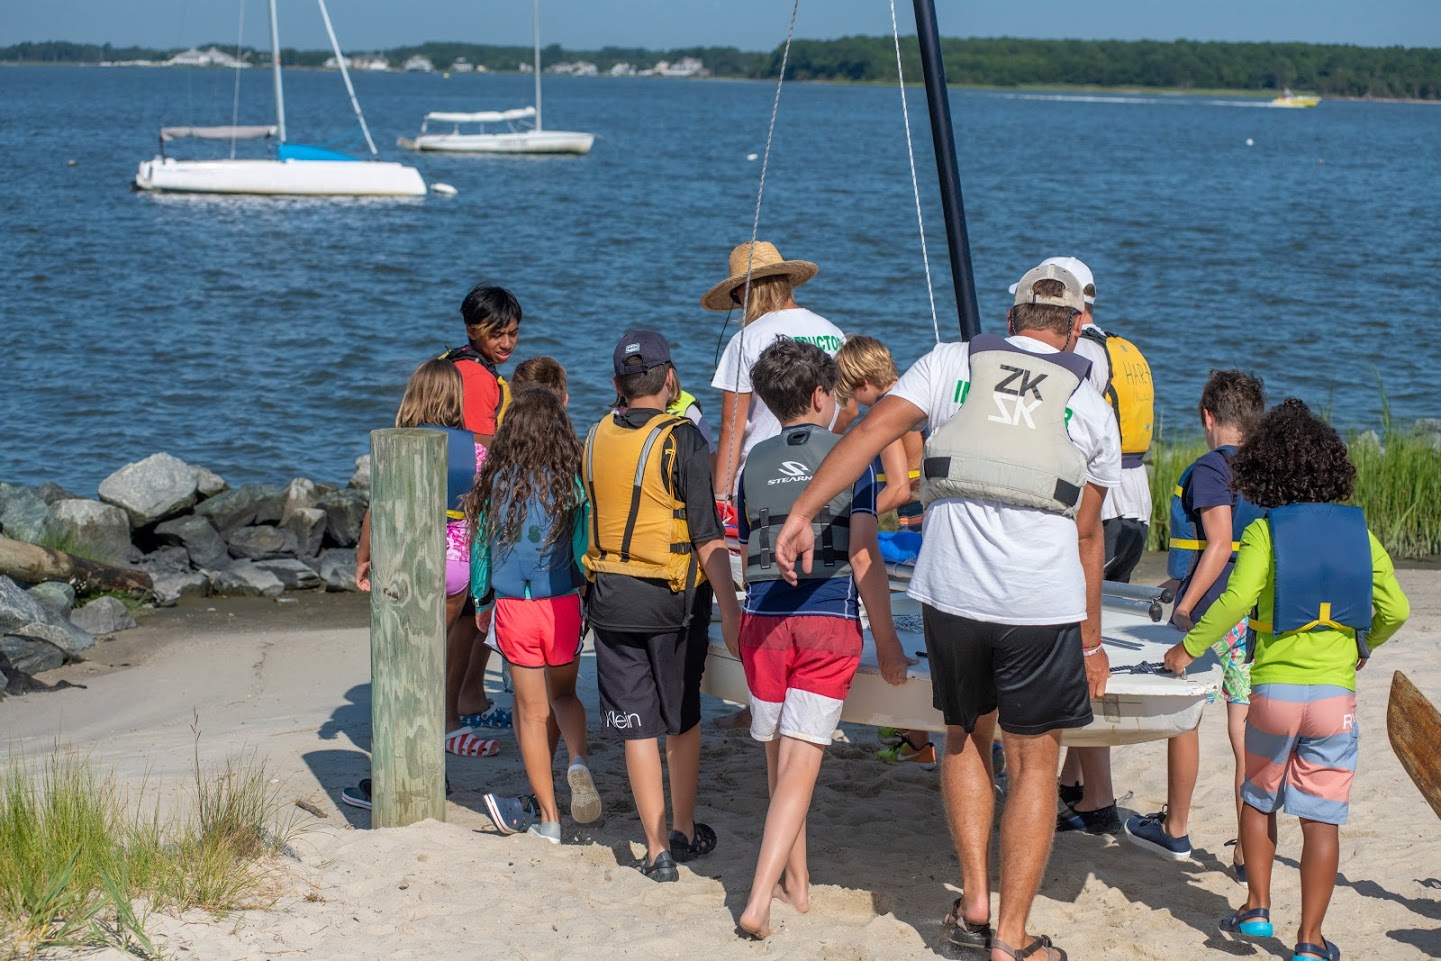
(767, 262)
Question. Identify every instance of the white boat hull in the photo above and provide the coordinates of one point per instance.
(1136, 708)
(281, 178)
(518, 142)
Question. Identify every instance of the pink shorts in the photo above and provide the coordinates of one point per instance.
(1302, 741)
(457, 557)
(799, 670)
(541, 632)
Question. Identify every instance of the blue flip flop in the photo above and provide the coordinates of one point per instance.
(1326, 951)
(1255, 923)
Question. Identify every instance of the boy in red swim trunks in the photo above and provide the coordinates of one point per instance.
(801, 645)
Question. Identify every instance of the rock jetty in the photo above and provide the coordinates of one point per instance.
(184, 527)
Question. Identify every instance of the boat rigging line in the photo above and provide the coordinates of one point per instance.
(915, 184)
(344, 75)
(235, 97)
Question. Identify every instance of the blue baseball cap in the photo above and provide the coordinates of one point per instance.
(639, 351)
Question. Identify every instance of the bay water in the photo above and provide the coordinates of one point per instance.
(264, 338)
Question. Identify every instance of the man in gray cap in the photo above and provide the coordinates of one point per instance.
(1021, 452)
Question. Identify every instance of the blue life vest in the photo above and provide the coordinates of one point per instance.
(459, 467)
(1322, 557)
(1188, 536)
(530, 568)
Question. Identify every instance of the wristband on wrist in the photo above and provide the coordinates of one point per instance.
(1088, 651)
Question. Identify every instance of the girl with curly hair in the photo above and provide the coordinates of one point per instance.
(1322, 594)
(528, 520)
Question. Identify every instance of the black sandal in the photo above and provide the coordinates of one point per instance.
(1038, 943)
(967, 934)
(684, 849)
(661, 869)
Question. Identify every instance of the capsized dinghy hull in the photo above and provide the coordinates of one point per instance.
(1137, 707)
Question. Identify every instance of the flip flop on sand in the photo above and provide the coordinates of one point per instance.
(463, 742)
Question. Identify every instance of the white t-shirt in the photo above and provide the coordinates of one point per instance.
(1132, 496)
(734, 371)
(994, 562)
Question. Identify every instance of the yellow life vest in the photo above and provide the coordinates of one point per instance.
(637, 525)
(1130, 391)
(504, 399)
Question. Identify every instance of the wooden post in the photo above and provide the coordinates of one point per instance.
(407, 626)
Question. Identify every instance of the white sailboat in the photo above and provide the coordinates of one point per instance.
(515, 139)
(296, 170)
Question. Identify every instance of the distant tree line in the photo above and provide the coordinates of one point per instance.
(1326, 69)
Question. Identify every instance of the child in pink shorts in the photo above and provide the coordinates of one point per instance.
(1324, 595)
(801, 645)
(528, 518)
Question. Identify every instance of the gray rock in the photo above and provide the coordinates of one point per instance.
(292, 573)
(104, 615)
(299, 494)
(258, 543)
(337, 569)
(1428, 425)
(91, 529)
(30, 655)
(23, 616)
(344, 511)
(208, 483)
(306, 526)
(251, 504)
(150, 490)
(23, 513)
(50, 493)
(171, 586)
(361, 477)
(201, 541)
(173, 559)
(57, 597)
(245, 578)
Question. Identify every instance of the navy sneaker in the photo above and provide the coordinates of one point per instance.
(1148, 831)
(512, 815)
(1100, 821)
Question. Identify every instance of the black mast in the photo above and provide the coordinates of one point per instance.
(939, 105)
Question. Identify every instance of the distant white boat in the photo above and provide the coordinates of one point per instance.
(517, 138)
(296, 170)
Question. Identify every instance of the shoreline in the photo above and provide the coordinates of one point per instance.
(1260, 95)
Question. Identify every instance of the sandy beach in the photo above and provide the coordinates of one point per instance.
(291, 681)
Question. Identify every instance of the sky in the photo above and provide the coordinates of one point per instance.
(748, 24)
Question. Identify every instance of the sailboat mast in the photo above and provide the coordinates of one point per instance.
(275, 64)
(535, 18)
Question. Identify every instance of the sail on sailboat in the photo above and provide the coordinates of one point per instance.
(296, 169)
(516, 138)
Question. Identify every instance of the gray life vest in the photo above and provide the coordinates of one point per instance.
(777, 470)
(1008, 442)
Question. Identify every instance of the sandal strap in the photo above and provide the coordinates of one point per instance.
(1039, 943)
(1255, 914)
(1322, 951)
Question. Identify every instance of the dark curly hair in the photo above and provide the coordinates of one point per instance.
(535, 452)
(1293, 457)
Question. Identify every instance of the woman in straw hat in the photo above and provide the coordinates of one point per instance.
(768, 301)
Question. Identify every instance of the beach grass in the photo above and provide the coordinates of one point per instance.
(1397, 485)
(82, 862)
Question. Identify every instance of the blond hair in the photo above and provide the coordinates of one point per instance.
(434, 395)
(864, 360)
(767, 294)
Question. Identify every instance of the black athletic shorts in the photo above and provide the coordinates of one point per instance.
(650, 683)
(1125, 545)
(1033, 674)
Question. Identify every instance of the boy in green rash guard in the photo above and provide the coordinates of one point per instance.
(1324, 594)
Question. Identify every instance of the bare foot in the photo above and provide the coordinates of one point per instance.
(754, 925)
(798, 898)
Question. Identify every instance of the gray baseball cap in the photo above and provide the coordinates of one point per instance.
(1072, 294)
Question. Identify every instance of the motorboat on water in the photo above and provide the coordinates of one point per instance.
(515, 139)
(1291, 100)
(524, 131)
(295, 169)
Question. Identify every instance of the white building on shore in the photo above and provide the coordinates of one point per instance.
(419, 64)
(214, 57)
